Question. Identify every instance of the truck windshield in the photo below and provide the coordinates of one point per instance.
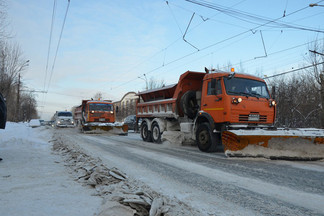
(100, 107)
(246, 87)
(68, 114)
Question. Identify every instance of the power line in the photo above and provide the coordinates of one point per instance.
(291, 71)
(50, 41)
(246, 17)
(58, 44)
(175, 41)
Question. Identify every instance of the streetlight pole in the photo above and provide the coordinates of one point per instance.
(18, 99)
(18, 90)
(146, 85)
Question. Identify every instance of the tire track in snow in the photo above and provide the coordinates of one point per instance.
(230, 192)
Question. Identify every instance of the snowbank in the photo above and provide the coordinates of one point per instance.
(35, 182)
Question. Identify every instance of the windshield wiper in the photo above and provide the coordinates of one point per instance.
(240, 93)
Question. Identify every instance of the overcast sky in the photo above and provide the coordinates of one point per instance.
(107, 45)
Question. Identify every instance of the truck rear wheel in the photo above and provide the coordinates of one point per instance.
(145, 133)
(156, 134)
(205, 139)
(189, 104)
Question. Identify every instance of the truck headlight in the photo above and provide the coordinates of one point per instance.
(237, 100)
(272, 103)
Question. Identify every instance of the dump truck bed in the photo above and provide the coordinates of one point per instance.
(164, 102)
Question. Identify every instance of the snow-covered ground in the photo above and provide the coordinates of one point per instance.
(45, 176)
(33, 181)
(49, 172)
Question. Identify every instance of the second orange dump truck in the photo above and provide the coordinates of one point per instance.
(97, 115)
(222, 110)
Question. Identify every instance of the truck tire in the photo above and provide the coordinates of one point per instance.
(145, 133)
(188, 104)
(156, 134)
(205, 139)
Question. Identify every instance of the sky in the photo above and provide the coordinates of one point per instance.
(114, 47)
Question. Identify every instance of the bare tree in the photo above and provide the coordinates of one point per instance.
(316, 58)
(97, 96)
(153, 83)
(11, 64)
(28, 107)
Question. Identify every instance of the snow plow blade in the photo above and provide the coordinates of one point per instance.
(295, 144)
(114, 128)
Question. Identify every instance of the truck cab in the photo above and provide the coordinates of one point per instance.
(236, 100)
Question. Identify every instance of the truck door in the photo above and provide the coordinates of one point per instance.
(212, 100)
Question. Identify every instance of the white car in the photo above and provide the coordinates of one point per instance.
(63, 119)
(34, 123)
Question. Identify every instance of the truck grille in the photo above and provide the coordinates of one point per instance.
(245, 118)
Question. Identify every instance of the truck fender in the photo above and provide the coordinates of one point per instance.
(161, 124)
(204, 117)
(148, 122)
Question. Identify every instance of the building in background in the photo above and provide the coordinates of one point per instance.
(126, 106)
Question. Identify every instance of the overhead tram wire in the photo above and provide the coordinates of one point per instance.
(294, 70)
(58, 44)
(175, 41)
(280, 51)
(247, 17)
(50, 41)
(49, 48)
(171, 44)
(219, 42)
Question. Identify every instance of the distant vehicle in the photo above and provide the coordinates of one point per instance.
(97, 115)
(34, 123)
(130, 121)
(3, 112)
(63, 119)
(42, 122)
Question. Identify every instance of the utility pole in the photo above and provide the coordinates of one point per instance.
(18, 98)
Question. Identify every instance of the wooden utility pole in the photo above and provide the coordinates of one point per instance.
(18, 99)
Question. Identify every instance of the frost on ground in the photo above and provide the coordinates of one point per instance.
(116, 187)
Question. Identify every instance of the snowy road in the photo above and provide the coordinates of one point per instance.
(212, 183)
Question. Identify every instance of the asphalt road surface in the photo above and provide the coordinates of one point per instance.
(213, 183)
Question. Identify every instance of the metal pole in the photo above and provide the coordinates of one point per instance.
(18, 98)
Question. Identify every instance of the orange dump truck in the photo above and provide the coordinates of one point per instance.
(220, 110)
(97, 115)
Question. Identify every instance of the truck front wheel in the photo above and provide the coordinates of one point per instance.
(205, 138)
(145, 133)
(156, 134)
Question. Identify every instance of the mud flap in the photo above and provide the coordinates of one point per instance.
(278, 144)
